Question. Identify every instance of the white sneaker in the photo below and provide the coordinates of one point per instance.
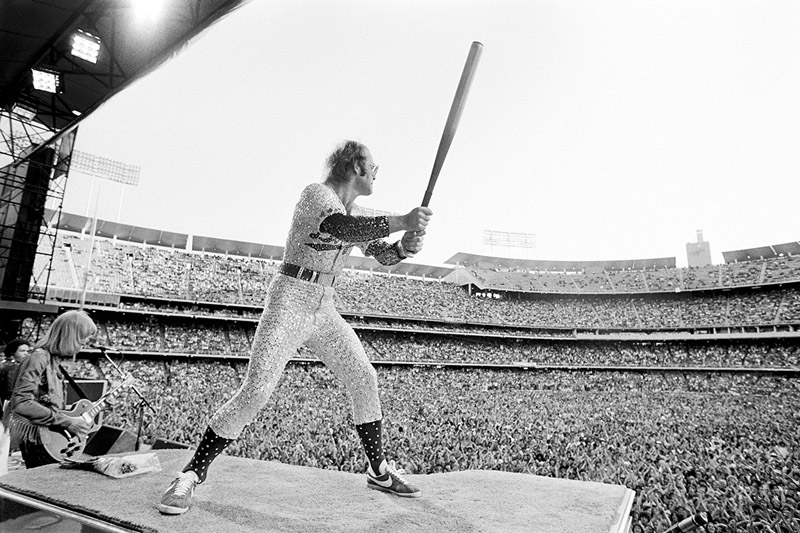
(178, 497)
(392, 481)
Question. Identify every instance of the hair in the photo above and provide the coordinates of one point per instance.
(12, 347)
(344, 159)
(66, 333)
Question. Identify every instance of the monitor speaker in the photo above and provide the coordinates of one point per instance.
(110, 439)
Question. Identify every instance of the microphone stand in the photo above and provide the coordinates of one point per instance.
(138, 393)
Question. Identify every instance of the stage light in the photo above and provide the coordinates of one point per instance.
(85, 46)
(149, 10)
(26, 112)
(47, 80)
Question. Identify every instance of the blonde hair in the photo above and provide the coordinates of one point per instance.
(344, 160)
(66, 334)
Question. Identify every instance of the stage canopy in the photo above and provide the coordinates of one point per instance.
(128, 39)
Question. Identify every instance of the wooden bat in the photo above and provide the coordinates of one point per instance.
(454, 117)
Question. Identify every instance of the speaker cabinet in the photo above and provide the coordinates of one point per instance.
(110, 439)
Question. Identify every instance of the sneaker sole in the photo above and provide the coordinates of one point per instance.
(390, 491)
(166, 509)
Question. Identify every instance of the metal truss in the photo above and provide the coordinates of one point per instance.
(19, 139)
(129, 49)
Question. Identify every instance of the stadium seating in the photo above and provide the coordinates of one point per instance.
(497, 377)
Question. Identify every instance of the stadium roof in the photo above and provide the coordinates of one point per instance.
(227, 246)
(125, 232)
(488, 262)
(762, 252)
(38, 34)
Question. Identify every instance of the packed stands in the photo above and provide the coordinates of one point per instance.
(415, 345)
(726, 443)
(680, 383)
(180, 274)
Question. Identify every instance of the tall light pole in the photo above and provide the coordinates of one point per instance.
(104, 168)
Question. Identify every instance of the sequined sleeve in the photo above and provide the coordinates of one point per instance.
(385, 253)
(351, 228)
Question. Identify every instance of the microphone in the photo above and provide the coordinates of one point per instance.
(689, 524)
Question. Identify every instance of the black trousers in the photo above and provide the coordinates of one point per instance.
(34, 454)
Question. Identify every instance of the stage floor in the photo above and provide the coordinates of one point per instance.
(249, 495)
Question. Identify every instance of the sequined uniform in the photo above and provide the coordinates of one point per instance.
(298, 312)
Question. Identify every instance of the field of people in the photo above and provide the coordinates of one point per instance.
(489, 378)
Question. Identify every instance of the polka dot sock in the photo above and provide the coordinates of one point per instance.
(210, 447)
(370, 434)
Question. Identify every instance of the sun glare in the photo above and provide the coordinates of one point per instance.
(148, 10)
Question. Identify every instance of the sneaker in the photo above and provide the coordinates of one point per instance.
(392, 481)
(178, 497)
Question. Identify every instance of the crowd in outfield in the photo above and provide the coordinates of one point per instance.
(417, 299)
(685, 442)
(725, 441)
(229, 339)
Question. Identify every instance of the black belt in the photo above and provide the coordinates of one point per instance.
(306, 274)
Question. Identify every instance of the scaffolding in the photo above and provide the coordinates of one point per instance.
(34, 165)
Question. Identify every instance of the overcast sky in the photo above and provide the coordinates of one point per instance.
(611, 130)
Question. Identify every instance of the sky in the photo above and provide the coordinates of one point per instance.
(610, 130)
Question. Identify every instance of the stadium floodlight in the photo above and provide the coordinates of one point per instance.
(105, 168)
(85, 46)
(509, 239)
(26, 112)
(47, 80)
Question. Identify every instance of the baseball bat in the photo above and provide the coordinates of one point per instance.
(454, 117)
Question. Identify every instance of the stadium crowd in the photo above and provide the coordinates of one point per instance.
(686, 438)
(383, 346)
(228, 286)
(415, 299)
(389, 344)
(728, 443)
(129, 268)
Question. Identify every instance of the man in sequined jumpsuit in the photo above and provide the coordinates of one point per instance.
(300, 309)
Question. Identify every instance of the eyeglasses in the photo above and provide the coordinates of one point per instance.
(374, 169)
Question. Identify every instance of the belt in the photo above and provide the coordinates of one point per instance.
(306, 274)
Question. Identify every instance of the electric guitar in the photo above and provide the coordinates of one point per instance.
(61, 444)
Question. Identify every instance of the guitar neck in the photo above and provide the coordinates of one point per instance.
(94, 411)
(98, 405)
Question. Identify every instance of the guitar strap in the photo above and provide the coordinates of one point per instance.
(77, 388)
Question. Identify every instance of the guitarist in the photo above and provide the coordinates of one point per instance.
(38, 394)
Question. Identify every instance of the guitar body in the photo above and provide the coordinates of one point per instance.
(59, 443)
